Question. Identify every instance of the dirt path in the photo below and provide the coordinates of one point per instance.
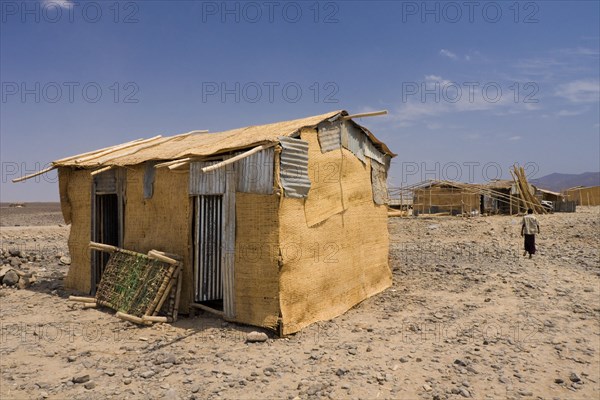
(467, 316)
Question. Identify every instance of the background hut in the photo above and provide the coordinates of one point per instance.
(584, 196)
(434, 197)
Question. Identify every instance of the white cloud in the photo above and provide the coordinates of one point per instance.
(580, 91)
(448, 53)
(437, 96)
(66, 4)
(580, 51)
(571, 113)
(433, 125)
(515, 138)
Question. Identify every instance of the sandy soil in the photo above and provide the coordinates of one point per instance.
(467, 316)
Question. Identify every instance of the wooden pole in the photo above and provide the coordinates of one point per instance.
(178, 294)
(101, 170)
(161, 257)
(23, 178)
(154, 318)
(132, 318)
(103, 247)
(430, 200)
(168, 163)
(236, 158)
(115, 148)
(82, 299)
(63, 160)
(207, 309)
(368, 114)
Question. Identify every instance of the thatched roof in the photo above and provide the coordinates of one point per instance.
(200, 144)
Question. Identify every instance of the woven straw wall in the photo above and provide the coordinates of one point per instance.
(256, 259)
(330, 267)
(589, 196)
(445, 200)
(76, 202)
(161, 222)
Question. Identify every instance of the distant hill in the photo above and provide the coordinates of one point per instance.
(559, 182)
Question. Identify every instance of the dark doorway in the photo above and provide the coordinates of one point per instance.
(106, 231)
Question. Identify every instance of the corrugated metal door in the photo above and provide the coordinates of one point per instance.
(213, 231)
(208, 235)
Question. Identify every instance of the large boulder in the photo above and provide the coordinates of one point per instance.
(11, 278)
(3, 270)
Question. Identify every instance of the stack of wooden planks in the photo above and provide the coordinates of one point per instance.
(526, 198)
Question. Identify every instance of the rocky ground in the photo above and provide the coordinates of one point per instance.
(466, 317)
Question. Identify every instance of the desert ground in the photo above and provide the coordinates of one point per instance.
(467, 317)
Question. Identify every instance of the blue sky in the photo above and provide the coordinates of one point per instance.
(471, 88)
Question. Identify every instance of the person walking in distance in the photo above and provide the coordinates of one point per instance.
(529, 227)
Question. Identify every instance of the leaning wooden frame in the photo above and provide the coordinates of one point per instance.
(138, 286)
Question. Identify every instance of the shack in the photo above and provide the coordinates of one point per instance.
(584, 196)
(435, 197)
(279, 225)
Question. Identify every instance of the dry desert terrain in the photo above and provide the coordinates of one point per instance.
(467, 317)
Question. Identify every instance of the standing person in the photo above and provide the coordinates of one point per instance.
(529, 228)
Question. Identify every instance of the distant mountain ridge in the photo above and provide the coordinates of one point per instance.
(559, 182)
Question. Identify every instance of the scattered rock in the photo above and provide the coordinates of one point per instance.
(256, 337)
(65, 260)
(11, 278)
(89, 385)
(14, 252)
(460, 362)
(171, 394)
(167, 358)
(81, 379)
(314, 389)
(3, 271)
(559, 381)
(574, 377)
(23, 282)
(147, 374)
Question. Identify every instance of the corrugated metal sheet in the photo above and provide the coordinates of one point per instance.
(212, 182)
(255, 173)
(207, 248)
(106, 182)
(228, 248)
(294, 167)
(354, 139)
(379, 183)
(374, 154)
(330, 135)
(149, 173)
(564, 206)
